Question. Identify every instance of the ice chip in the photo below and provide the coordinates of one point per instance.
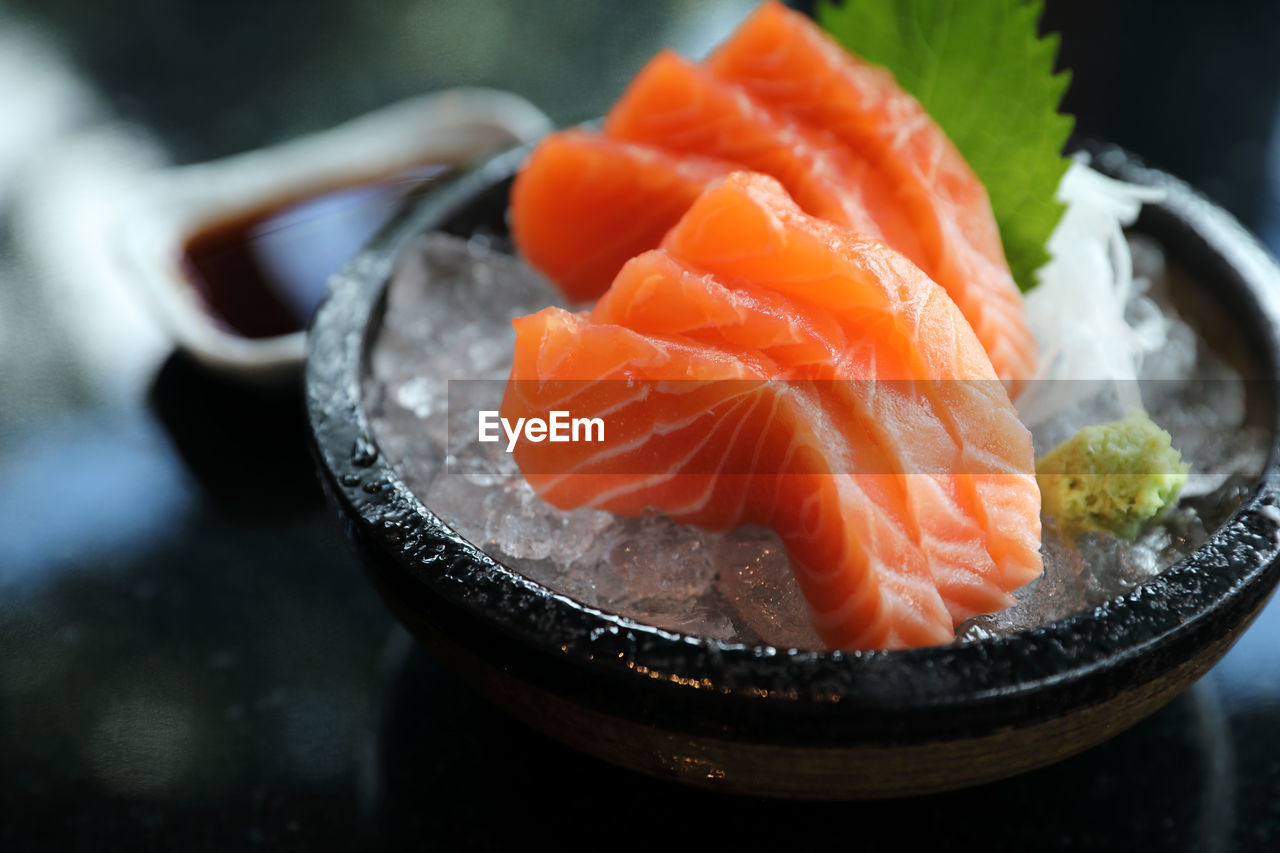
(1059, 592)
(455, 500)
(698, 617)
(656, 558)
(754, 575)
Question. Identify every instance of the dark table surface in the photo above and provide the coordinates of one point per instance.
(189, 655)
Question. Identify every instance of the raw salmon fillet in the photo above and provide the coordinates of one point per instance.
(584, 205)
(756, 308)
(867, 583)
(682, 107)
(747, 229)
(938, 214)
(904, 427)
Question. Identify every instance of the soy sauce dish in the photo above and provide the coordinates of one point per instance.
(761, 720)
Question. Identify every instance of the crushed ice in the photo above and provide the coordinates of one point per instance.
(448, 316)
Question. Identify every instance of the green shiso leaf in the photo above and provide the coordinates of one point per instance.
(979, 68)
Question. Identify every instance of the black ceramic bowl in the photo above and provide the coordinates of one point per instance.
(762, 720)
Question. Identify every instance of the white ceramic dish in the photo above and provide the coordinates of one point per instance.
(457, 126)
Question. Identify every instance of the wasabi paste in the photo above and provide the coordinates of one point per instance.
(1112, 477)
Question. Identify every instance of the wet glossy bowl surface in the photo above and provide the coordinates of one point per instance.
(790, 723)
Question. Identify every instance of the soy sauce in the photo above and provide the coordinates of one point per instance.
(262, 273)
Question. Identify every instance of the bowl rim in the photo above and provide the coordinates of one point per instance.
(601, 659)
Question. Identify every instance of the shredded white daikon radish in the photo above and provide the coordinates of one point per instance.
(1078, 310)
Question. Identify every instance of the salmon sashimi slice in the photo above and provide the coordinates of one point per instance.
(681, 107)
(935, 210)
(746, 229)
(657, 294)
(726, 445)
(583, 205)
(901, 429)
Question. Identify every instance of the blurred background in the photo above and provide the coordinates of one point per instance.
(188, 653)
